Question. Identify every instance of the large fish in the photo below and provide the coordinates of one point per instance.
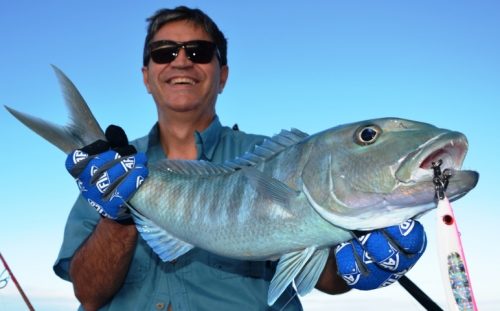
(292, 198)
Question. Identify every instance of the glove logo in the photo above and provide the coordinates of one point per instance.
(351, 279)
(79, 155)
(115, 195)
(128, 163)
(103, 182)
(364, 238)
(139, 181)
(392, 262)
(81, 186)
(98, 208)
(406, 227)
(393, 278)
(366, 258)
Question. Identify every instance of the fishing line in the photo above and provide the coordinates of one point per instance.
(289, 300)
(4, 280)
(16, 283)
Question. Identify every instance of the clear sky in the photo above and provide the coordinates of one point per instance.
(304, 64)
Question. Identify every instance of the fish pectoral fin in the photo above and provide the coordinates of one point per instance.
(166, 246)
(269, 186)
(289, 266)
(308, 277)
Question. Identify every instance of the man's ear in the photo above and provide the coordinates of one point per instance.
(145, 78)
(224, 73)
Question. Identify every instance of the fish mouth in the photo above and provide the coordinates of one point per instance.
(450, 148)
(415, 174)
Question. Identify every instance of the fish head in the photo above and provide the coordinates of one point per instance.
(377, 173)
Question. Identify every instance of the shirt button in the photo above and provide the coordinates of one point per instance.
(160, 306)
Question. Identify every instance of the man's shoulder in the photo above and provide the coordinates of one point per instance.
(241, 138)
(141, 143)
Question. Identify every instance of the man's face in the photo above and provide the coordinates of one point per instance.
(182, 85)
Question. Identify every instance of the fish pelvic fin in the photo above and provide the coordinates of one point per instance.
(302, 267)
(166, 246)
(308, 277)
(82, 129)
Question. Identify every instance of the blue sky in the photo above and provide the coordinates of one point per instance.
(304, 64)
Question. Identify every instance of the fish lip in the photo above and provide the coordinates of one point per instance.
(450, 147)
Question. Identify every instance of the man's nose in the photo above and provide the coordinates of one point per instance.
(181, 60)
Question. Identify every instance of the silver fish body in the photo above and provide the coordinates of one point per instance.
(292, 197)
(234, 213)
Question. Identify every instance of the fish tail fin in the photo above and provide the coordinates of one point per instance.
(82, 128)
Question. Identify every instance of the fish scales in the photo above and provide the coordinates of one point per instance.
(230, 221)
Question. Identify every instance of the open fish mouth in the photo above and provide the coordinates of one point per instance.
(450, 148)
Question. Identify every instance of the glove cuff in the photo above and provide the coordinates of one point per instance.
(126, 221)
(124, 217)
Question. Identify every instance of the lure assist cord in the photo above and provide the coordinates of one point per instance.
(16, 283)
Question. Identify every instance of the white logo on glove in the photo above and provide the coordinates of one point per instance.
(139, 181)
(393, 278)
(128, 163)
(98, 208)
(392, 261)
(79, 155)
(351, 279)
(406, 227)
(103, 182)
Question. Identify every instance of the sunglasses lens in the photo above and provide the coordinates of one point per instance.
(164, 55)
(200, 52)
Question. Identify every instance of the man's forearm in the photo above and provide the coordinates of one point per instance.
(99, 267)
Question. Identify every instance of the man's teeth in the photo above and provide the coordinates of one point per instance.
(182, 81)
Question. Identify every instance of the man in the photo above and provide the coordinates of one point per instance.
(111, 268)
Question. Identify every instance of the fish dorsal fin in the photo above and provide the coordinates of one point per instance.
(191, 167)
(166, 246)
(308, 277)
(267, 149)
(288, 268)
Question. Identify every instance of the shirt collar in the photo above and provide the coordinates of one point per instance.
(206, 140)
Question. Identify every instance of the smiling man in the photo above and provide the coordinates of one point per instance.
(184, 79)
(184, 69)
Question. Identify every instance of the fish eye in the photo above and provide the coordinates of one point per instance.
(367, 135)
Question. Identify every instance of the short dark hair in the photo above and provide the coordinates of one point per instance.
(196, 16)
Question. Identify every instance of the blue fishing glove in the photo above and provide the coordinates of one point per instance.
(381, 257)
(108, 173)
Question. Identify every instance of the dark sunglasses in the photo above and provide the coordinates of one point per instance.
(197, 51)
